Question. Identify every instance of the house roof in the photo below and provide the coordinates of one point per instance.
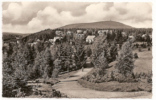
(90, 37)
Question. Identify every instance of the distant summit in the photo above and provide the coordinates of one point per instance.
(101, 25)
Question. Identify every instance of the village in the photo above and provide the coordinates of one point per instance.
(77, 50)
(88, 37)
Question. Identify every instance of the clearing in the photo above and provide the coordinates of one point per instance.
(73, 89)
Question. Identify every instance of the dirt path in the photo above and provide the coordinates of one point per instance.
(73, 89)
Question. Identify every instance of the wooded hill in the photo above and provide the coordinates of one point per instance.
(99, 25)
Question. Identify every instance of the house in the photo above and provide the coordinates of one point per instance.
(56, 38)
(131, 37)
(144, 35)
(18, 41)
(84, 32)
(124, 34)
(59, 33)
(150, 36)
(51, 40)
(79, 35)
(38, 40)
(32, 44)
(110, 32)
(79, 31)
(90, 39)
(69, 33)
(100, 33)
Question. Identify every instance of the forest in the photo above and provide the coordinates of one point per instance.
(23, 62)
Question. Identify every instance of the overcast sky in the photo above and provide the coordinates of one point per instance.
(27, 17)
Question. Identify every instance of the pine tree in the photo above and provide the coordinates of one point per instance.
(79, 53)
(8, 82)
(125, 63)
(43, 64)
(99, 45)
(113, 52)
(48, 63)
(102, 61)
(21, 60)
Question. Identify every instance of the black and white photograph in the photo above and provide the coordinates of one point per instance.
(80, 49)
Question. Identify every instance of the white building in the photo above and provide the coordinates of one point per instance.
(90, 39)
(59, 33)
(57, 38)
(100, 33)
(144, 35)
(84, 32)
(124, 34)
(38, 40)
(69, 32)
(51, 40)
(110, 32)
(79, 31)
(150, 36)
(131, 37)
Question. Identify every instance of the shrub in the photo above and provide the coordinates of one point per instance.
(136, 55)
(95, 76)
(122, 78)
(147, 77)
(55, 93)
(149, 48)
(116, 86)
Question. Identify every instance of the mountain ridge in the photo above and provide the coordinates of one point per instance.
(100, 25)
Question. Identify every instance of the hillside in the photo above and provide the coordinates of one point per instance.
(49, 33)
(8, 36)
(100, 25)
(42, 35)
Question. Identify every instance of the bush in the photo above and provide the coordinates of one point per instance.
(56, 93)
(95, 76)
(116, 86)
(146, 77)
(122, 78)
(136, 55)
(149, 49)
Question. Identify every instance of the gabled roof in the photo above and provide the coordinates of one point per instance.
(90, 37)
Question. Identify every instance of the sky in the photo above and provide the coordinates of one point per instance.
(29, 17)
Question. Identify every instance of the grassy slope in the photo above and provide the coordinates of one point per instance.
(142, 64)
(116, 86)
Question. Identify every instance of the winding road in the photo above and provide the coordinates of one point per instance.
(73, 89)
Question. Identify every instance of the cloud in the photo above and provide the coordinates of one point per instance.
(35, 16)
(13, 12)
(50, 18)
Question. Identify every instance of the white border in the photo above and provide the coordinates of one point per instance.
(154, 40)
